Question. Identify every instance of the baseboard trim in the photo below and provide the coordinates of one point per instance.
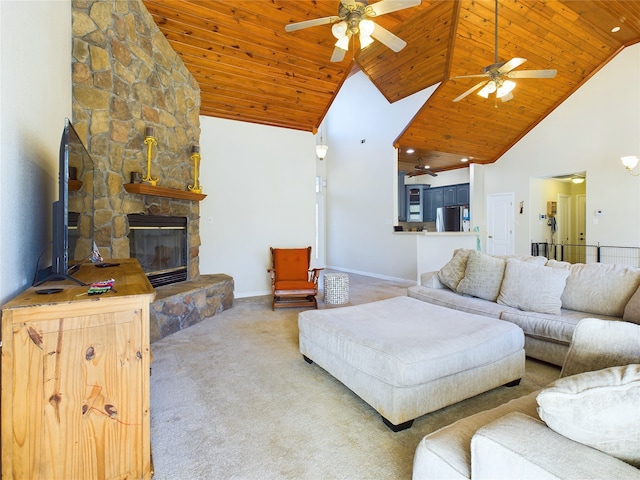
(371, 274)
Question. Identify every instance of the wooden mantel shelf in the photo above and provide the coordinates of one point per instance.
(145, 189)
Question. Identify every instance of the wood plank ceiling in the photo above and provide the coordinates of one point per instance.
(249, 69)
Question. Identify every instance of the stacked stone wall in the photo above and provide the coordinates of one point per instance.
(126, 77)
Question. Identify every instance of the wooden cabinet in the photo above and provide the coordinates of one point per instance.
(434, 199)
(462, 194)
(449, 195)
(456, 195)
(75, 379)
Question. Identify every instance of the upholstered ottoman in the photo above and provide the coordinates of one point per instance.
(405, 357)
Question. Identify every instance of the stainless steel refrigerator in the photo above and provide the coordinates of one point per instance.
(452, 219)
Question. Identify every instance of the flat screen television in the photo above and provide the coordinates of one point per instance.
(74, 162)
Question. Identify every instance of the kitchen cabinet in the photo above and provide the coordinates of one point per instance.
(434, 199)
(75, 379)
(450, 195)
(462, 194)
(456, 195)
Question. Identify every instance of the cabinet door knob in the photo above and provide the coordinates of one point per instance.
(490, 236)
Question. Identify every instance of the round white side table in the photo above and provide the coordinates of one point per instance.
(336, 288)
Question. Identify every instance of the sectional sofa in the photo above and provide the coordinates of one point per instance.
(544, 297)
(585, 425)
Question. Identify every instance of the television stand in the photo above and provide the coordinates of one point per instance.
(77, 369)
(46, 275)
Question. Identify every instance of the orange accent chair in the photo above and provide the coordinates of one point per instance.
(293, 283)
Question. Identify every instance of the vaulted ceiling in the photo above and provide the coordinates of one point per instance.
(249, 69)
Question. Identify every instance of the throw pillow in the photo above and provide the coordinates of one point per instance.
(532, 288)
(538, 260)
(598, 409)
(431, 280)
(483, 276)
(632, 309)
(599, 288)
(451, 274)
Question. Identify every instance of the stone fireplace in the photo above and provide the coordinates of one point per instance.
(126, 78)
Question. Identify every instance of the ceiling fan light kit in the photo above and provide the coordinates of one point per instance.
(353, 19)
(498, 72)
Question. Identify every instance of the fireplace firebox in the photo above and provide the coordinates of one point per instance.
(160, 244)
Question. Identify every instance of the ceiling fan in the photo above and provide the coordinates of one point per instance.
(353, 18)
(421, 169)
(499, 73)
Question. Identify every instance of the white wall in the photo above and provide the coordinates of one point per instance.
(362, 181)
(260, 187)
(35, 97)
(588, 132)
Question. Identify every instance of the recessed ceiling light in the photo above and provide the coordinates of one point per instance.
(410, 150)
(464, 159)
(615, 29)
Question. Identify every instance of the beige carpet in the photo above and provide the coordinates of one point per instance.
(232, 398)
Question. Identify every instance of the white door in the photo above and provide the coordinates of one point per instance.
(564, 231)
(581, 227)
(500, 220)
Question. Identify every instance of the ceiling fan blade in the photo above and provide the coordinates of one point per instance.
(511, 64)
(338, 54)
(388, 6)
(507, 97)
(471, 90)
(416, 173)
(532, 74)
(310, 23)
(479, 75)
(387, 38)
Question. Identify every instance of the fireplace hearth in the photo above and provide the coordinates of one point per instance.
(160, 244)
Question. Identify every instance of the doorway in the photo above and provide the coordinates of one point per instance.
(500, 220)
(562, 227)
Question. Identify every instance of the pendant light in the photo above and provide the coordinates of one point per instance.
(321, 148)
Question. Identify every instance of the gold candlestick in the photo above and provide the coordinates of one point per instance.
(195, 156)
(149, 141)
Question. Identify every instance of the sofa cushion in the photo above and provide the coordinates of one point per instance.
(599, 409)
(632, 309)
(483, 276)
(446, 298)
(599, 288)
(532, 287)
(550, 328)
(451, 274)
(518, 446)
(598, 344)
(446, 453)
